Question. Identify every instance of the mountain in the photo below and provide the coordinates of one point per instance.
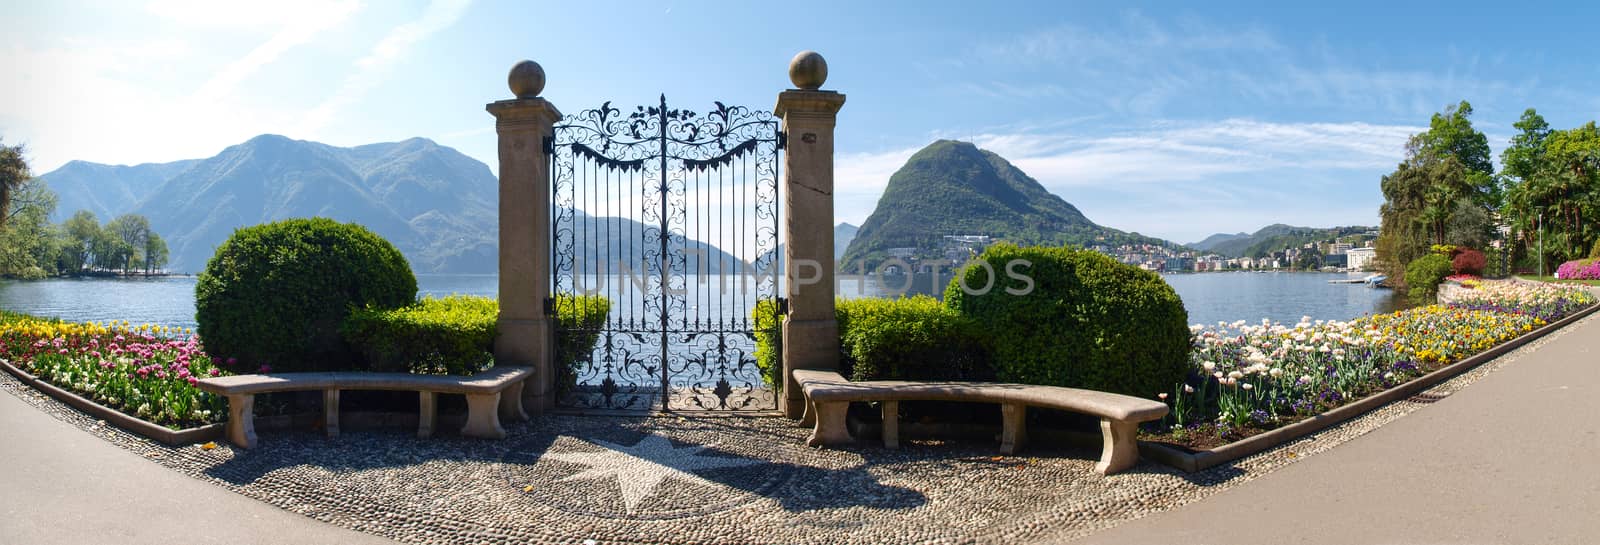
(617, 242)
(1279, 236)
(435, 204)
(106, 190)
(1213, 240)
(954, 188)
(438, 206)
(842, 235)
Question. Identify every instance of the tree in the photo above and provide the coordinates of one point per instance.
(1444, 188)
(27, 249)
(110, 252)
(1553, 188)
(13, 174)
(133, 232)
(77, 248)
(1450, 133)
(155, 253)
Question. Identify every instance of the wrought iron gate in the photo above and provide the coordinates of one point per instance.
(672, 216)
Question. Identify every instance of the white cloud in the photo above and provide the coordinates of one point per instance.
(1181, 180)
(371, 69)
(859, 179)
(236, 14)
(296, 31)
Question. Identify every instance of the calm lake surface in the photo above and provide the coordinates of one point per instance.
(1209, 297)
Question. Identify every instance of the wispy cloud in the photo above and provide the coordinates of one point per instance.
(297, 31)
(1181, 179)
(371, 69)
(1143, 67)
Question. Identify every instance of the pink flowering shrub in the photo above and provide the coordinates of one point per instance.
(1582, 269)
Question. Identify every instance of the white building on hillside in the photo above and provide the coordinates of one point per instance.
(1360, 258)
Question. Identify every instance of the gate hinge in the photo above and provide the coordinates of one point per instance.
(549, 306)
(549, 145)
(783, 140)
(783, 306)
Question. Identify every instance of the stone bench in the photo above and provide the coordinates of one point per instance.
(491, 395)
(828, 397)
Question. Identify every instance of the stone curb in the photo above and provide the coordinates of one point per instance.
(156, 432)
(1200, 460)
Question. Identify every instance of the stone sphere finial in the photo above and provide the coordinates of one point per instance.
(808, 71)
(526, 79)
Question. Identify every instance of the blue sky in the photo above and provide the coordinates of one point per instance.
(1175, 120)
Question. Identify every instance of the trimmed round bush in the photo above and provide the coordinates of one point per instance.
(1594, 253)
(1075, 318)
(276, 294)
(1469, 261)
(1423, 276)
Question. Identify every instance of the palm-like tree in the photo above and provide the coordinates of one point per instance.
(13, 173)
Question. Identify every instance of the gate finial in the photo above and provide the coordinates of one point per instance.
(526, 79)
(808, 70)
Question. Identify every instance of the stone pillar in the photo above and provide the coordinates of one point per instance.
(810, 330)
(526, 334)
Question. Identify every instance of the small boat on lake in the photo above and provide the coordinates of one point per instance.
(1372, 280)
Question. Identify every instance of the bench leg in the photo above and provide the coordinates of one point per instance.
(830, 429)
(242, 420)
(1121, 446)
(1014, 427)
(809, 417)
(483, 417)
(427, 414)
(330, 413)
(891, 424)
(511, 402)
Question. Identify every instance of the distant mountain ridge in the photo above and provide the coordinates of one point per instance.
(1213, 240)
(107, 190)
(955, 188)
(1279, 236)
(843, 234)
(436, 204)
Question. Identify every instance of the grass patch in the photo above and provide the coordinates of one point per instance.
(1554, 280)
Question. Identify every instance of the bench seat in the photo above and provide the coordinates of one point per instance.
(828, 397)
(491, 395)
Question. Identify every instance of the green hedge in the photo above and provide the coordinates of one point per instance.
(1423, 276)
(276, 294)
(449, 336)
(769, 341)
(1087, 321)
(581, 316)
(455, 335)
(914, 338)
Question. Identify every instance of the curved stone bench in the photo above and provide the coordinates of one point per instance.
(490, 395)
(828, 396)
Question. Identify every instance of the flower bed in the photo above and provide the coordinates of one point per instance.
(1249, 378)
(146, 371)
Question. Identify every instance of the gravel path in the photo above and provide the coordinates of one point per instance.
(670, 479)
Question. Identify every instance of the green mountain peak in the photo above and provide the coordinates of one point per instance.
(954, 188)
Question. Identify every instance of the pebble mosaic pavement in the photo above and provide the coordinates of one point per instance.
(706, 480)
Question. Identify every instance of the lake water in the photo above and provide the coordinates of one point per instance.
(1209, 297)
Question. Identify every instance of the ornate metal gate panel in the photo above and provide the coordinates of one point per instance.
(673, 217)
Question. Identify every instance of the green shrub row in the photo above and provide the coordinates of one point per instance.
(449, 336)
(455, 335)
(1058, 316)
